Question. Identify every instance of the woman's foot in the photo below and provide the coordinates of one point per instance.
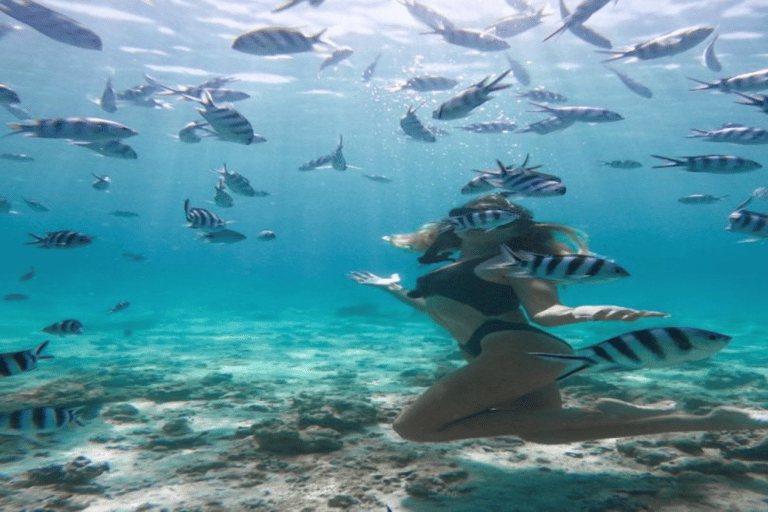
(617, 409)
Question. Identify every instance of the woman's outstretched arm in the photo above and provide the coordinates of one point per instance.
(389, 284)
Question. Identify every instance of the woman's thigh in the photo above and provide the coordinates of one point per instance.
(502, 375)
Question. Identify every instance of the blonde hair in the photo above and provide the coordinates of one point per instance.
(536, 237)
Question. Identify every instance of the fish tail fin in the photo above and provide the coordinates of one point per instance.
(574, 364)
(38, 239)
(562, 29)
(697, 133)
(617, 55)
(41, 348)
(674, 162)
(542, 108)
(703, 87)
(186, 206)
(17, 128)
(316, 38)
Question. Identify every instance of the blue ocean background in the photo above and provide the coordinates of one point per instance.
(327, 222)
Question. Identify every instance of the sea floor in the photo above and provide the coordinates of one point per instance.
(293, 413)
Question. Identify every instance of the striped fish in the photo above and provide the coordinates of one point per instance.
(545, 126)
(61, 240)
(518, 71)
(221, 198)
(473, 39)
(734, 134)
(14, 363)
(8, 95)
(486, 220)
(266, 235)
(414, 128)
(663, 46)
(218, 95)
(101, 183)
(709, 57)
(747, 222)
(631, 84)
(69, 326)
(51, 23)
(338, 55)
(223, 236)
(717, 164)
(236, 182)
(564, 269)
(477, 185)
(511, 26)
(621, 164)
(75, 128)
(28, 276)
(200, 218)
(522, 181)
(752, 81)
(338, 161)
(378, 177)
(34, 205)
(647, 348)
(317, 162)
(470, 98)
(580, 14)
(108, 99)
(760, 101)
(541, 94)
(123, 304)
(276, 41)
(580, 114)
(491, 127)
(427, 16)
(228, 123)
(427, 83)
(701, 199)
(109, 148)
(584, 33)
(39, 419)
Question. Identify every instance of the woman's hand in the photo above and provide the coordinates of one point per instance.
(390, 283)
(614, 313)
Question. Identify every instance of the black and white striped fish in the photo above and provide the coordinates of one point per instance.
(317, 162)
(221, 198)
(427, 83)
(477, 185)
(717, 164)
(371, 69)
(414, 128)
(200, 218)
(760, 100)
(646, 348)
(752, 81)
(223, 236)
(663, 46)
(14, 363)
(709, 57)
(470, 98)
(338, 161)
(580, 14)
(734, 134)
(621, 164)
(101, 183)
(236, 182)
(108, 99)
(583, 32)
(473, 39)
(228, 123)
(276, 41)
(109, 148)
(523, 181)
(51, 23)
(39, 419)
(486, 220)
(701, 199)
(518, 71)
(549, 125)
(490, 127)
(511, 26)
(123, 304)
(75, 128)
(266, 235)
(338, 55)
(541, 94)
(35, 206)
(580, 114)
(8, 95)
(748, 222)
(69, 326)
(425, 15)
(564, 269)
(632, 84)
(61, 240)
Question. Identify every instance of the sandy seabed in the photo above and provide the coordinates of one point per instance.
(295, 415)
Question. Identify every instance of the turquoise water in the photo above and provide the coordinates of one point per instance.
(329, 222)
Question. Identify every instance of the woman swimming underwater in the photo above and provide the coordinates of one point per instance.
(504, 389)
